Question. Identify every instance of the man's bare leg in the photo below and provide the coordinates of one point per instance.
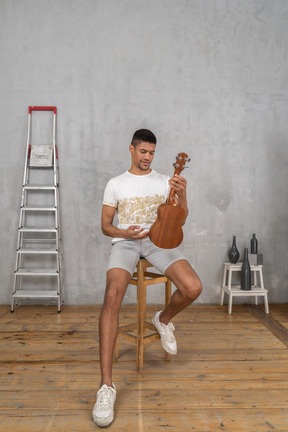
(116, 286)
(188, 287)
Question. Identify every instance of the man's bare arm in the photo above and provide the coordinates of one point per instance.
(133, 232)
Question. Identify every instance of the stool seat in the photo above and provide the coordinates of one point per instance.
(141, 279)
(235, 290)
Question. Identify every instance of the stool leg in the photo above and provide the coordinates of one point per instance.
(141, 315)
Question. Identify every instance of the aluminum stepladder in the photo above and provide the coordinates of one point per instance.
(38, 266)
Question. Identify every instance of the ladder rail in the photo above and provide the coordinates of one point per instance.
(25, 177)
(55, 153)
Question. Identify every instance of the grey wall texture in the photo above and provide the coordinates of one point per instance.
(209, 77)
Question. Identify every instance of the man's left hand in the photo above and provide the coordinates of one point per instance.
(178, 183)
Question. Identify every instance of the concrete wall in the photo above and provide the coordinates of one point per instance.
(209, 77)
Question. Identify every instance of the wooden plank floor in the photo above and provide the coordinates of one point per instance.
(230, 374)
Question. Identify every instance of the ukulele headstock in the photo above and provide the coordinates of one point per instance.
(180, 164)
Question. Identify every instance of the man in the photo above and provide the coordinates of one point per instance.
(136, 195)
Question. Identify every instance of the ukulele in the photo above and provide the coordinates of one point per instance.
(166, 232)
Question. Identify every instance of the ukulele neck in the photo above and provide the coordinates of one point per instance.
(171, 197)
(172, 193)
(179, 165)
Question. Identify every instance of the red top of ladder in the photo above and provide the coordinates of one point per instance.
(42, 108)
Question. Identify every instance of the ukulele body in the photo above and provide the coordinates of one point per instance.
(166, 232)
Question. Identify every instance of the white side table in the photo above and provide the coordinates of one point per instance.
(235, 290)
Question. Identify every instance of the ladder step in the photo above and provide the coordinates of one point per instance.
(36, 272)
(40, 167)
(38, 208)
(39, 187)
(35, 294)
(39, 242)
(40, 230)
(37, 251)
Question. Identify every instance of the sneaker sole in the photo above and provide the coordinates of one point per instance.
(102, 422)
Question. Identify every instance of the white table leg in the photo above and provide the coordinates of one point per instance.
(223, 286)
(230, 304)
(266, 303)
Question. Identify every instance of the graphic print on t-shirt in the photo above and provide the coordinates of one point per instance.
(139, 210)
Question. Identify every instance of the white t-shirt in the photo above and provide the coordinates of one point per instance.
(136, 198)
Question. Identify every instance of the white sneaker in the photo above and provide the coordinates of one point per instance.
(168, 340)
(103, 411)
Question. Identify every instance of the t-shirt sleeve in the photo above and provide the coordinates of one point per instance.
(109, 195)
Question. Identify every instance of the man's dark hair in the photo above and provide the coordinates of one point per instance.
(144, 135)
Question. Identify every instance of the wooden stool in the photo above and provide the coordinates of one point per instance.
(235, 290)
(141, 279)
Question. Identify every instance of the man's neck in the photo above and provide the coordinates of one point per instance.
(137, 171)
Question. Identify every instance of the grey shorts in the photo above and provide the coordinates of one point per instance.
(126, 253)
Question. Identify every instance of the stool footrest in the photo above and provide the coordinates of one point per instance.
(151, 338)
(128, 336)
(128, 327)
(124, 332)
(155, 276)
(150, 326)
(154, 280)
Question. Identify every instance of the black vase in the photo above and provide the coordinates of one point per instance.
(233, 254)
(254, 245)
(246, 273)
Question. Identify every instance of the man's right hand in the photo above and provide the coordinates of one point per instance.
(135, 232)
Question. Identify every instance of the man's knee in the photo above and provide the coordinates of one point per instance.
(193, 288)
(197, 287)
(113, 295)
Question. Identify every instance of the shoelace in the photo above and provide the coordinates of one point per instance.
(105, 397)
(169, 332)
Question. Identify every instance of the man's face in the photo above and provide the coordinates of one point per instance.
(142, 155)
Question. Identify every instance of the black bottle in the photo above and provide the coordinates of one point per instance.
(254, 245)
(246, 273)
(233, 254)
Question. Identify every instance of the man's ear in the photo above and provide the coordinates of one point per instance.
(131, 148)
